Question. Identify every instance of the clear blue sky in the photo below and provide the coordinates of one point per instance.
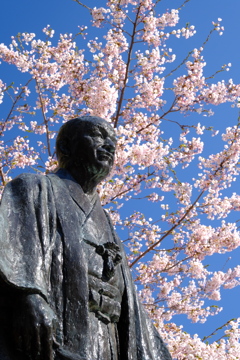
(65, 15)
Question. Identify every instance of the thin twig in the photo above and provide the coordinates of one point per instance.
(13, 105)
(183, 4)
(80, 3)
(170, 110)
(215, 331)
(127, 190)
(181, 64)
(45, 119)
(2, 176)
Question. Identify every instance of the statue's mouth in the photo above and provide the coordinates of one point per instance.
(104, 155)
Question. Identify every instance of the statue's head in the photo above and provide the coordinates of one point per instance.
(86, 144)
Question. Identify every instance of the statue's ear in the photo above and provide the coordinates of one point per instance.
(64, 148)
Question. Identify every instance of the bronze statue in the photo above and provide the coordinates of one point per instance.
(66, 292)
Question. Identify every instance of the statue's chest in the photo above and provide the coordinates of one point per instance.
(102, 253)
(106, 283)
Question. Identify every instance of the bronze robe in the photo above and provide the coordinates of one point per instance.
(45, 222)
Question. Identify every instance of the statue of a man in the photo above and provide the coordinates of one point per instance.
(66, 292)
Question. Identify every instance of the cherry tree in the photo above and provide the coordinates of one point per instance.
(160, 108)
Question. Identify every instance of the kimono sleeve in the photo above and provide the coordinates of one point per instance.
(27, 231)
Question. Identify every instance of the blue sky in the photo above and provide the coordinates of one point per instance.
(65, 15)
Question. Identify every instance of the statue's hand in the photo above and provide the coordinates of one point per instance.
(34, 328)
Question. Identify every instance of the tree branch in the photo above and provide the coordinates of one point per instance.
(127, 69)
(169, 231)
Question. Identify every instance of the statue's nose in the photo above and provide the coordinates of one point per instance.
(109, 145)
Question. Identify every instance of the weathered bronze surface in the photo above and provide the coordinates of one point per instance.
(66, 292)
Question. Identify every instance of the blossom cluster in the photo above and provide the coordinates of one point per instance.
(2, 89)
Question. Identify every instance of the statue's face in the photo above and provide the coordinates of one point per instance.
(94, 147)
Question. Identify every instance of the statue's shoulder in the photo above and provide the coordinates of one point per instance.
(28, 181)
(29, 178)
(26, 188)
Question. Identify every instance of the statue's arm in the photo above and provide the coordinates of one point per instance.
(33, 328)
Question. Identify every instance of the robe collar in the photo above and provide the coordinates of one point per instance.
(76, 192)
